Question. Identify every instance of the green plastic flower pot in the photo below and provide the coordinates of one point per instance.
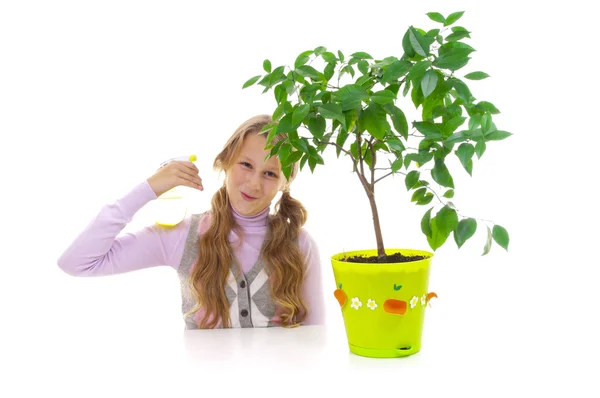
(383, 305)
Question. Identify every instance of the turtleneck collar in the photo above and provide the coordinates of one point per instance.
(258, 220)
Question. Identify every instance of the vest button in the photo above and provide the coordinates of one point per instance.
(243, 284)
(244, 312)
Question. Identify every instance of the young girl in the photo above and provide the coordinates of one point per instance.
(239, 266)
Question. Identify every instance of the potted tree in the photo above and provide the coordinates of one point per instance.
(329, 100)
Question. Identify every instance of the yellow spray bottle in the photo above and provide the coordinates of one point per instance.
(171, 206)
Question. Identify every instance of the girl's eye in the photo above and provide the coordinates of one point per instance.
(270, 173)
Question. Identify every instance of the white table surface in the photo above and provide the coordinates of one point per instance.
(280, 362)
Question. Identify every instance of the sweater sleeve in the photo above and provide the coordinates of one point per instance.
(312, 290)
(99, 250)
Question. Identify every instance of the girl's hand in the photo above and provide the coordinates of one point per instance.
(174, 174)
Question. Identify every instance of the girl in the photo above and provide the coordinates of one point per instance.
(239, 266)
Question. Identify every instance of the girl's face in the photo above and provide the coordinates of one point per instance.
(251, 183)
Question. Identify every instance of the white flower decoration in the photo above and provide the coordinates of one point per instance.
(424, 300)
(414, 301)
(356, 303)
(371, 304)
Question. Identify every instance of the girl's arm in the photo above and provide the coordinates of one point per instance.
(99, 251)
(313, 286)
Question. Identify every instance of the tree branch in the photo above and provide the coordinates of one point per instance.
(389, 174)
(372, 162)
(360, 158)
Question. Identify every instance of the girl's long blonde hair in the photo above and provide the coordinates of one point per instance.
(284, 262)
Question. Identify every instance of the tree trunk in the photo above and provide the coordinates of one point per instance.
(378, 236)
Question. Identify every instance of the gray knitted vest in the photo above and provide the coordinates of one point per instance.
(249, 295)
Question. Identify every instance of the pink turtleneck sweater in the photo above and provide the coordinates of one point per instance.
(100, 249)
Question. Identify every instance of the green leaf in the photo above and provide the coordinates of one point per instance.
(301, 60)
(280, 110)
(466, 228)
(418, 70)
(351, 119)
(383, 146)
(267, 65)
(418, 194)
(363, 67)
(455, 47)
(301, 144)
(449, 194)
(418, 42)
(374, 120)
(438, 237)
(497, 135)
(446, 219)
(299, 114)
(425, 200)
(365, 81)
(486, 123)
(361, 55)
(476, 75)
(316, 126)
(458, 29)
(452, 60)
(312, 163)
(329, 57)
(428, 129)
(500, 235)
(383, 97)
(341, 56)
(406, 46)
(465, 153)
(331, 111)
(294, 157)
(280, 94)
(480, 148)
(426, 223)
(307, 93)
(455, 16)
(433, 33)
(488, 243)
(397, 165)
(398, 119)
(289, 86)
(309, 71)
(284, 152)
(474, 121)
(429, 82)
(461, 89)
(347, 69)
(303, 161)
(411, 179)
(452, 124)
(350, 96)
(251, 81)
(461, 34)
(329, 71)
(488, 107)
(441, 175)
(285, 124)
(275, 149)
(395, 144)
(436, 16)
(287, 171)
(395, 70)
(319, 50)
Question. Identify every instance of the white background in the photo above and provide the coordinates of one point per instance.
(94, 95)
